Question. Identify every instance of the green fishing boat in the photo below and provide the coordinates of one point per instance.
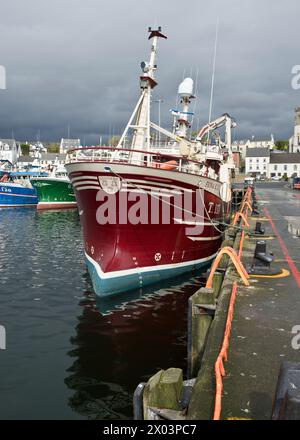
(54, 192)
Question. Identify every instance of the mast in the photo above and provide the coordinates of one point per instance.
(141, 136)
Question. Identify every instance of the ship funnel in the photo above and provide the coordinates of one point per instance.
(185, 88)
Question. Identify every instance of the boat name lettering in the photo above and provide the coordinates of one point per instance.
(208, 184)
(4, 189)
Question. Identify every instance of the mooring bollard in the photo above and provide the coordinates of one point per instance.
(259, 230)
(287, 398)
(138, 402)
(162, 391)
(262, 258)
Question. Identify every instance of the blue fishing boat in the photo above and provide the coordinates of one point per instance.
(16, 190)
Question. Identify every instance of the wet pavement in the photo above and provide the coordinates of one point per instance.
(265, 313)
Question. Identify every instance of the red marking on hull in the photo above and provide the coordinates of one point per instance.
(58, 205)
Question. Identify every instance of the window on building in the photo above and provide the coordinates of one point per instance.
(265, 160)
(275, 167)
(285, 167)
(295, 167)
(265, 167)
(279, 174)
(250, 167)
(250, 160)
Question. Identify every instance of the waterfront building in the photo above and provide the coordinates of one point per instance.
(48, 160)
(68, 144)
(243, 145)
(294, 141)
(257, 161)
(9, 150)
(284, 165)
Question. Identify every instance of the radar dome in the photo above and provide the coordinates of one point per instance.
(186, 87)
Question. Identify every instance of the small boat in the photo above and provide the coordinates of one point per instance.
(15, 190)
(54, 191)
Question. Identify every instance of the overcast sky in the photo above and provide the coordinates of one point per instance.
(77, 62)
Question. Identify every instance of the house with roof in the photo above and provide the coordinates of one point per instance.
(243, 145)
(9, 150)
(257, 161)
(25, 162)
(284, 164)
(68, 144)
(48, 160)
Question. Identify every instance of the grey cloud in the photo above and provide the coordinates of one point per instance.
(77, 62)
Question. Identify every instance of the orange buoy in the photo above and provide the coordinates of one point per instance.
(170, 165)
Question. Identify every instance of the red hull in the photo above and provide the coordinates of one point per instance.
(119, 251)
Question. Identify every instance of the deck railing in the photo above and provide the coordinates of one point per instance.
(153, 159)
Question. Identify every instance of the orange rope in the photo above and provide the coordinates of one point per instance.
(241, 244)
(223, 355)
(219, 365)
(236, 261)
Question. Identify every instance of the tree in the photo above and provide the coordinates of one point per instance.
(113, 141)
(25, 149)
(53, 148)
(282, 145)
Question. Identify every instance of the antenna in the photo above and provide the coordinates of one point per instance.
(213, 77)
(195, 104)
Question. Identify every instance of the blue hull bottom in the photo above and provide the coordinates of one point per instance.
(105, 285)
(7, 201)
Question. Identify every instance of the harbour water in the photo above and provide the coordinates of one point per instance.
(69, 355)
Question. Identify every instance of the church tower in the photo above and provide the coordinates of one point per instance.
(295, 139)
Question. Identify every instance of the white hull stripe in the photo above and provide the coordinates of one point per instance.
(126, 272)
(149, 186)
(205, 238)
(74, 179)
(142, 189)
(16, 195)
(17, 206)
(85, 182)
(193, 223)
(80, 188)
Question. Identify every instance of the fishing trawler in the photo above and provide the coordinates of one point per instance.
(151, 212)
(16, 191)
(54, 191)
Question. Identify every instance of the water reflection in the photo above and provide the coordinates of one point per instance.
(122, 341)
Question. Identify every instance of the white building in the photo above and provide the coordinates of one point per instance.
(68, 144)
(262, 162)
(284, 164)
(294, 141)
(243, 145)
(48, 160)
(257, 161)
(9, 150)
(25, 162)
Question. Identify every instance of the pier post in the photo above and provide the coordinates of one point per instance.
(163, 391)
